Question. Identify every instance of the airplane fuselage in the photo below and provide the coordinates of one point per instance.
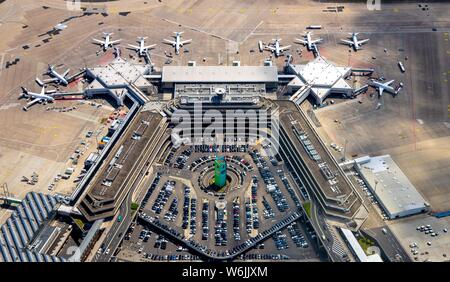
(277, 48)
(308, 40)
(60, 78)
(177, 44)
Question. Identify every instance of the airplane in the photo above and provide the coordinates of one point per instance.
(106, 43)
(355, 42)
(177, 43)
(384, 86)
(307, 41)
(141, 49)
(42, 97)
(55, 77)
(276, 48)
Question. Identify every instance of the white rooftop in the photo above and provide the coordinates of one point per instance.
(321, 77)
(391, 186)
(121, 72)
(321, 73)
(216, 74)
(357, 249)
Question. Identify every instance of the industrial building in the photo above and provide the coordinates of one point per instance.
(391, 187)
(320, 78)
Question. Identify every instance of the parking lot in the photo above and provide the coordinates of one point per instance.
(259, 200)
(144, 244)
(424, 237)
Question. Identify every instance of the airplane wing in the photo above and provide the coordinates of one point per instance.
(363, 41)
(301, 41)
(167, 41)
(45, 81)
(186, 41)
(98, 41)
(150, 46)
(269, 48)
(389, 82)
(285, 47)
(347, 41)
(316, 41)
(34, 101)
(115, 42)
(134, 46)
(66, 73)
(380, 91)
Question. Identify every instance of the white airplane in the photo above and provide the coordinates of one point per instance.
(307, 41)
(42, 97)
(55, 77)
(355, 43)
(383, 86)
(177, 43)
(141, 49)
(276, 48)
(106, 43)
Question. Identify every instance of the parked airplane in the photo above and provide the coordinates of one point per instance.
(177, 43)
(42, 97)
(141, 49)
(383, 86)
(276, 48)
(106, 43)
(355, 43)
(55, 77)
(307, 41)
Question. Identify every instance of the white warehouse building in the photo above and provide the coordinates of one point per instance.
(390, 186)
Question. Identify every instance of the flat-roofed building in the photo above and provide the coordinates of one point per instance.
(319, 78)
(219, 84)
(392, 188)
(356, 248)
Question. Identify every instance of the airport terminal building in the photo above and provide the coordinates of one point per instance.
(318, 78)
(218, 84)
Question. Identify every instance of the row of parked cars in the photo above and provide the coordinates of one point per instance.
(291, 191)
(186, 203)
(163, 196)
(280, 240)
(236, 221)
(248, 217)
(193, 221)
(205, 220)
(170, 257)
(268, 211)
(269, 180)
(297, 236)
(172, 213)
(182, 159)
(150, 191)
(221, 229)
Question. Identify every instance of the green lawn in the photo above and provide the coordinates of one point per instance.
(307, 207)
(365, 243)
(79, 222)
